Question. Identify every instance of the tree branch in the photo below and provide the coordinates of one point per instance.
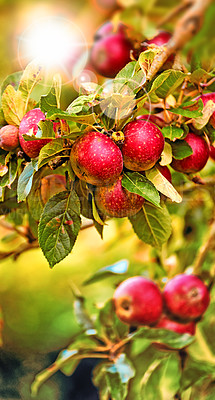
(204, 249)
(185, 29)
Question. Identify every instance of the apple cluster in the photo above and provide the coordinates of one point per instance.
(139, 301)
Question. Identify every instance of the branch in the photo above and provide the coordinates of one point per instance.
(204, 249)
(185, 29)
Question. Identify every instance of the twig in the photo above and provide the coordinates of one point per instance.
(185, 29)
(181, 7)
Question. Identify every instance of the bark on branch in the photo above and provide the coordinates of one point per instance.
(186, 28)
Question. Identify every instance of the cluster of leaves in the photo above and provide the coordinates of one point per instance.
(138, 363)
(57, 224)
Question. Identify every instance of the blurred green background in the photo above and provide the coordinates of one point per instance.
(36, 301)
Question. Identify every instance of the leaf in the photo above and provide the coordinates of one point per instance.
(13, 80)
(88, 119)
(32, 75)
(166, 155)
(163, 185)
(171, 339)
(194, 371)
(59, 226)
(34, 199)
(152, 225)
(167, 82)
(172, 132)
(191, 109)
(162, 382)
(96, 215)
(82, 103)
(111, 327)
(113, 378)
(129, 77)
(146, 58)
(181, 149)
(25, 181)
(136, 183)
(13, 106)
(49, 151)
(52, 99)
(11, 174)
(207, 112)
(81, 315)
(118, 268)
(199, 75)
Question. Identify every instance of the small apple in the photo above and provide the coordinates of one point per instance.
(196, 161)
(9, 137)
(96, 159)
(186, 297)
(142, 146)
(138, 301)
(51, 185)
(116, 201)
(166, 323)
(108, 29)
(29, 121)
(205, 98)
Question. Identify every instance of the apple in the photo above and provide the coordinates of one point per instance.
(165, 172)
(159, 40)
(186, 297)
(110, 54)
(142, 146)
(196, 161)
(51, 185)
(138, 301)
(96, 159)
(9, 137)
(212, 152)
(29, 122)
(166, 323)
(116, 201)
(108, 29)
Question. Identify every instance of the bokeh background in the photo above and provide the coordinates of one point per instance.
(36, 301)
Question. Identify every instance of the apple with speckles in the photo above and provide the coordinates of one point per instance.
(186, 297)
(138, 301)
(142, 146)
(196, 161)
(96, 159)
(116, 201)
(29, 122)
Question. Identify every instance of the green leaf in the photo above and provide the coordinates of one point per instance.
(82, 316)
(82, 103)
(167, 82)
(49, 151)
(129, 78)
(31, 77)
(194, 371)
(13, 106)
(25, 181)
(34, 199)
(146, 58)
(152, 225)
(2, 119)
(181, 149)
(162, 380)
(136, 183)
(59, 226)
(96, 215)
(118, 268)
(191, 109)
(163, 185)
(52, 99)
(111, 327)
(199, 75)
(13, 80)
(171, 339)
(88, 119)
(172, 132)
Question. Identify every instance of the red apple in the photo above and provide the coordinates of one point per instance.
(196, 161)
(9, 137)
(166, 323)
(165, 172)
(138, 301)
(107, 29)
(96, 159)
(143, 145)
(186, 297)
(110, 54)
(29, 121)
(116, 201)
